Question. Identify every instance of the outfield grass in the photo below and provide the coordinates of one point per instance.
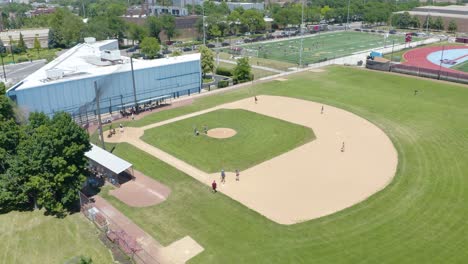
(419, 218)
(31, 237)
(258, 138)
(322, 47)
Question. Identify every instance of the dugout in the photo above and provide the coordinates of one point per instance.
(109, 167)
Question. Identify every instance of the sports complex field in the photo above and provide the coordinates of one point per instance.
(320, 47)
(420, 217)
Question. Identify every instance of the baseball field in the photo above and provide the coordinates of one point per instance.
(419, 217)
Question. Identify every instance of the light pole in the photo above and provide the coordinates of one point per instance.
(440, 65)
(347, 20)
(302, 35)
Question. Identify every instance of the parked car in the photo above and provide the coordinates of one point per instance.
(357, 29)
(186, 49)
(225, 44)
(166, 51)
(133, 49)
(380, 31)
(210, 45)
(393, 31)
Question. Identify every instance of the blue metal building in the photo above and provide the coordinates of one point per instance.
(68, 82)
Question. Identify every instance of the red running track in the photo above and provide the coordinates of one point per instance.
(418, 58)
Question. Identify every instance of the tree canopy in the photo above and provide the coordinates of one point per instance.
(242, 71)
(207, 60)
(150, 47)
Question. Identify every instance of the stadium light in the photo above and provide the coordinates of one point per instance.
(441, 59)
(204, 33)
(302, 35)
(347, 20)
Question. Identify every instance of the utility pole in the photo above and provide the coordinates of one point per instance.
(347, 20)
(98, 111)
(427, 24)
(3, 67)
(134, 87)
(302, 35)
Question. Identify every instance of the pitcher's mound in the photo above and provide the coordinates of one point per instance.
(221, 132)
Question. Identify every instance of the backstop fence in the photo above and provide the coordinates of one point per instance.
(114, 232)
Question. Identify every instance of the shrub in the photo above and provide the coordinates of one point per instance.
(22, 59)
(223, 71)
(223, 83)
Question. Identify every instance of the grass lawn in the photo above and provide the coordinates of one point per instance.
(462, 66)
(321, 46)
(258, 73)
(31, 237)
(48, 54)
(258, 138)
(419, 218)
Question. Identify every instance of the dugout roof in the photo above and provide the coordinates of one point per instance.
(107, 160)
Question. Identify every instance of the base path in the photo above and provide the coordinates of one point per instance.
(310, 181)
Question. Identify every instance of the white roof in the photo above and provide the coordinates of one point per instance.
(434, 14)
(84, 61)
(107, 159)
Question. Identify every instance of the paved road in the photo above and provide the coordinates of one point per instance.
(19, 71)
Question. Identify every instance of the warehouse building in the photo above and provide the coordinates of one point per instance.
(95, 70)
(456, 13)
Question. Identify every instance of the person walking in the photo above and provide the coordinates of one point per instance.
(256, 99)
(223, 176)
(237, 175)
(121, 128)
(321, 112)
(214, 186)
(342, 147)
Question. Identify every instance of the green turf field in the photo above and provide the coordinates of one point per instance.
(461, 67)
(321, 46)
(421, 217)
(258, 138)
(31, 237)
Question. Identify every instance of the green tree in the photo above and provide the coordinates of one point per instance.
(253, 20)
(168, 25)
(154, 27)
(452, 27)
(207, 60)
(438, 24)
(242, 71)
(21, 44)
(6, 106)
(137, 32)
(85, 260)
(37, 45)
(49, 167)
(150, 47)
(66, 27)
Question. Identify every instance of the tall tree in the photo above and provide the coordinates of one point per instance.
(168, 24)
(21, 44)
(150, 47)
(452, 27)
(253, 20)
(137, 32)
(438, 24)
(154, 27)
(242, 71)
(49, 168)
(207, 60)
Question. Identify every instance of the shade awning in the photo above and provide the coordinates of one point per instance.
(107, 160)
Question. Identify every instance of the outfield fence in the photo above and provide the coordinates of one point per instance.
(430, 73)
(114, 232)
